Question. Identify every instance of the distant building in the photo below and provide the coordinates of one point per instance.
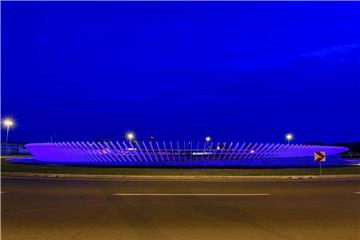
(14, 149)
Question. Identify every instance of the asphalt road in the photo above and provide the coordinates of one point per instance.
(46, 209)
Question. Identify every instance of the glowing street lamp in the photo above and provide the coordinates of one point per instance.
(208, 139)
(130, 136)
(7, 124)
(289, 137)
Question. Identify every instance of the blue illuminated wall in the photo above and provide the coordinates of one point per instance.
(184, 154)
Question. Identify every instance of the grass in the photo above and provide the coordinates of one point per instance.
(32, 168)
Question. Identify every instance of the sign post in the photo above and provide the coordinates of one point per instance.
(320, 157)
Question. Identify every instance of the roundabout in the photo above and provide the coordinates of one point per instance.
(184, 154)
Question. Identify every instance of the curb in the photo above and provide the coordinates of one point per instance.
(162, 177)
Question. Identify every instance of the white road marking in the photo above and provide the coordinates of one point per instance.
(356, 192)
(191, 194)
(3, 192)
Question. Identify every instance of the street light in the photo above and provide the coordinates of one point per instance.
(208, 138)
(7, 124)
(289, 137)
(130, 136)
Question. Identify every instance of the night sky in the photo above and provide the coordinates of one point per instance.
(247, 71)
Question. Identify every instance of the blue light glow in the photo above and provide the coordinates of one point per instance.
(149, 154)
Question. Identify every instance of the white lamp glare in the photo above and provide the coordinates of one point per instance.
(289, 137)
(8, 123)
(130, 136)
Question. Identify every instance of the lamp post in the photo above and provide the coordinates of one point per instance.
(207, 140)
(130, 136)
(289, 137)
(7, 124)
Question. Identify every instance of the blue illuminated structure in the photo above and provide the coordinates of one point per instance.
(184, 154)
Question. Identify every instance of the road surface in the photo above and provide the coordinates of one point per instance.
(50, 209)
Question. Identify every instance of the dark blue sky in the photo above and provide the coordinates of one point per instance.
(181, 70)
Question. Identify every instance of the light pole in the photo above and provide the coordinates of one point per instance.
(130, 136)
(289, 137)
(7, 124)
(207, 140)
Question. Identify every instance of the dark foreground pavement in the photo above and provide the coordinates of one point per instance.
(46, 209)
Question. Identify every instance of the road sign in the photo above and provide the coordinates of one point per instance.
(320, 156)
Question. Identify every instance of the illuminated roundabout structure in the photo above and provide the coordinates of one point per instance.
(184, 154)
